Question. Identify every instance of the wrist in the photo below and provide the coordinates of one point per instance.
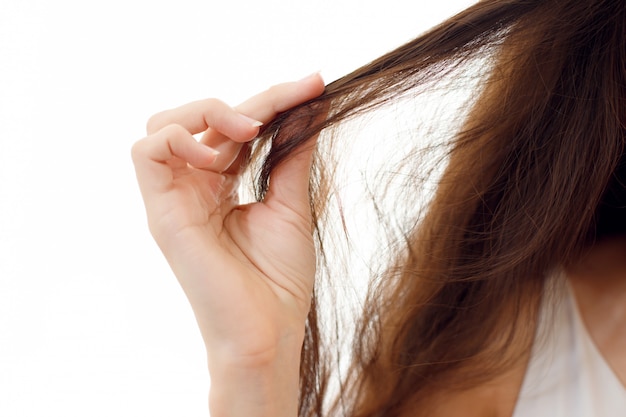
(264, 385)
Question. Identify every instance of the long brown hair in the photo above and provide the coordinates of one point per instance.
(532, 180)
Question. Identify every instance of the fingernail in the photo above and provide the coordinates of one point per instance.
(308, 77)
(213, 153)
(251, 121)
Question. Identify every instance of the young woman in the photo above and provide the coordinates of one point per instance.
(506, 298)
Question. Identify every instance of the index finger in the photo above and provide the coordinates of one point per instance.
(201, 115)
(263, 107)
(216, 119)
(266, 105)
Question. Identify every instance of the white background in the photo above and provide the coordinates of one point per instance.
(92, 322)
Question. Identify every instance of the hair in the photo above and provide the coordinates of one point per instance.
(533, 177)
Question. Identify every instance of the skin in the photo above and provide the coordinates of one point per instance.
(599, 283)
(248, 270)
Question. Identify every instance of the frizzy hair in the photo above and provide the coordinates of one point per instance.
(541, 147)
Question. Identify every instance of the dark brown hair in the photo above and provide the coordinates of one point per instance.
(533, 178)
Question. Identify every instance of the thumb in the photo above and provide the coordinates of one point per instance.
(289, 181)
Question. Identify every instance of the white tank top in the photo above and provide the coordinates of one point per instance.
(567, 376)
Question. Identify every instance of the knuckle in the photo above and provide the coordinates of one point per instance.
(276, 88)
(154, 123)
(271, 89)
(274, 91)
(215, 107)
(212, 102)
(138, 149)
(218, 115)
(173, 130)
(275, 95)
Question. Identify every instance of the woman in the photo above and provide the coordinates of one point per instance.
(506, 298)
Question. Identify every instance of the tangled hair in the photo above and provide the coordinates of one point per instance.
(532, 179)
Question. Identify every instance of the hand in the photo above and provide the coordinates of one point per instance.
(247, 270)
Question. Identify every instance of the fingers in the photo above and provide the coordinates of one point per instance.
(240, 123)
(198, 116)
(158, 154)
(225, 128)
(266, 105)
(289, 182)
